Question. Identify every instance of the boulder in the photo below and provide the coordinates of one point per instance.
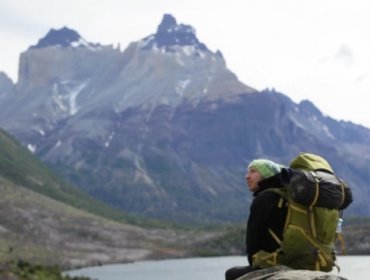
(286, 273)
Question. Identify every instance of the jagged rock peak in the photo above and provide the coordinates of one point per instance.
(167, 24)
(64, 37)
(170, 33)
(308, 106)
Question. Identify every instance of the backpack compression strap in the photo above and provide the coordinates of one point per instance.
(339, 235)
(317, 189)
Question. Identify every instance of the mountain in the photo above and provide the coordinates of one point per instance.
(46, 221)
(21, 168)
(6, 85)
(164, 128)
(64, 38)
(170, 34)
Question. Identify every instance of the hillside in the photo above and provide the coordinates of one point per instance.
(42, 230)
(44, 220)
(22, 168)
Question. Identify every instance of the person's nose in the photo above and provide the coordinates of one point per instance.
(246, 178)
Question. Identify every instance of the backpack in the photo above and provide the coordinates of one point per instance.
(314, 197)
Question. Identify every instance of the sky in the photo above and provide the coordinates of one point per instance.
(308, 49)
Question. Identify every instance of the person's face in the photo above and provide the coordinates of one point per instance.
(253, 177)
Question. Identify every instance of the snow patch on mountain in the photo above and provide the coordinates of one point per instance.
(189, 50)
(31, 148)
(110, 137)
(57, 98)
(73, 98)
(83, 43)
(65, 96)
(40, 131)
(179, 50)
(181, 86)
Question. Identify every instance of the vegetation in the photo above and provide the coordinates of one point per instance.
(21, 270)
(230, 242)
(355, 221)
(20, 166)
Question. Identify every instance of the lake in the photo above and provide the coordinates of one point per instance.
(212, 268)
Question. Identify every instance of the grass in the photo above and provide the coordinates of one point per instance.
(19, 165)
(20, 270)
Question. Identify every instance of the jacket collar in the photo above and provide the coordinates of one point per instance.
(270, 182)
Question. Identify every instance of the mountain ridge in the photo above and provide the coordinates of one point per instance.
(169, 33)
(64, 38)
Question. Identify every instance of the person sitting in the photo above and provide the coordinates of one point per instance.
(267, 213)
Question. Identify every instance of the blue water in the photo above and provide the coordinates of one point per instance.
(352, 267)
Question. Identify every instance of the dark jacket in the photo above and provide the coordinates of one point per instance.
(265, 214)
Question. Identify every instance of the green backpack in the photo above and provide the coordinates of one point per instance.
(310, 230)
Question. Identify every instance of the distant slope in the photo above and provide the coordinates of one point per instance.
(44, 220)
(21, 167)
(38, 229)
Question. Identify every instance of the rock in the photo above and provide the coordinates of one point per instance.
(286, 273)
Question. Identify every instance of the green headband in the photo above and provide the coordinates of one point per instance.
(265, 167)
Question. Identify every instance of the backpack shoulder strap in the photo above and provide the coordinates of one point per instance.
(283, 197)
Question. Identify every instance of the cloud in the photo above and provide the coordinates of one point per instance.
(344, 55)
(362, 78)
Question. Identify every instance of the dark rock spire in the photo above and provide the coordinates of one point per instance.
(63, 37)
(170, 33)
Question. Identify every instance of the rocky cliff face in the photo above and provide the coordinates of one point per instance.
(6, 85)
(164, 128)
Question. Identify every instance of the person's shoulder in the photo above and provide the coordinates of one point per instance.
(269, 194)
(265, 201)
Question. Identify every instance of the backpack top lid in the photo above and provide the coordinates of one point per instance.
(310, 162)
